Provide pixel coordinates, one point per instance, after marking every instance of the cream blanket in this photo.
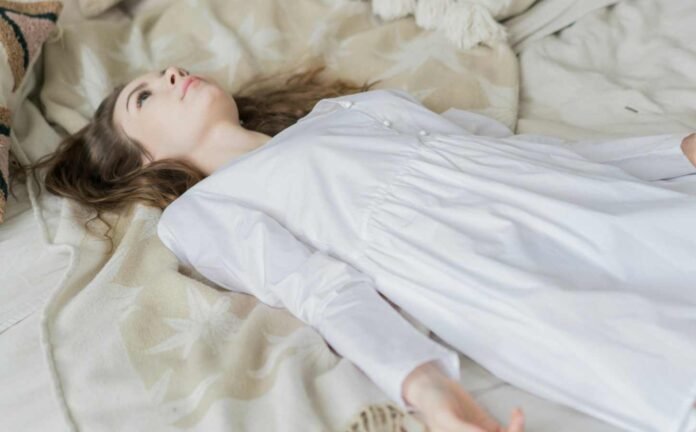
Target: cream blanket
(625, 70)
(132, 343)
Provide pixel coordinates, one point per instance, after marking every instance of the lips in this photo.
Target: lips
(187, 83)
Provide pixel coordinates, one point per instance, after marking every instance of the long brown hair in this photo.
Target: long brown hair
(102, 169)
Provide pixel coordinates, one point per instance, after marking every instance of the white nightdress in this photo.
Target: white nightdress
(567, 269)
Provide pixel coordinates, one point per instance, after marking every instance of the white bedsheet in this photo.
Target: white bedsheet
(622, 70)
(31, 270)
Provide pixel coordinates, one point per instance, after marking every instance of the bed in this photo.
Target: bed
(98, 339)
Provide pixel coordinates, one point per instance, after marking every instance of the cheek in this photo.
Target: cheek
(177, 131)
(161, 135)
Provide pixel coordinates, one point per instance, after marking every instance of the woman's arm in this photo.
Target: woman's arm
(244, 249)
(448, 407)
(688, 146)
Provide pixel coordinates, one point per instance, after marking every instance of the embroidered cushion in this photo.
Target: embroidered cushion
(24, 26)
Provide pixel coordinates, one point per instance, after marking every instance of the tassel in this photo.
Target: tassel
(468, 24)
(463, 22)
(392, 9)
(430, 13)
(496, 7)
(385, 417)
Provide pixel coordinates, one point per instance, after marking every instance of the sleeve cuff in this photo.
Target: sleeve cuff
(667, 161)
(361, 326)
(651, 158)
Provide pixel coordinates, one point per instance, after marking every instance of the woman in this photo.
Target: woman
(515, 251)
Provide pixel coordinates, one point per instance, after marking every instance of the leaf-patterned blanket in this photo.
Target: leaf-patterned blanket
(133, 343)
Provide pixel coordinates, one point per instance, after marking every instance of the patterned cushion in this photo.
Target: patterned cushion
(24, 26)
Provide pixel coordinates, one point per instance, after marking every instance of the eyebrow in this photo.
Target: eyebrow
(140, 86)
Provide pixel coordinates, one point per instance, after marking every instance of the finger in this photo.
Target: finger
(517, 421)
(460, 426)
(488, 423)
(468, 427)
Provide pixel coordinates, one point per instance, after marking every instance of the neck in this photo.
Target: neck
(224, 142)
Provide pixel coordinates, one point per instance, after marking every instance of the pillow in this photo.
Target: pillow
(24, 26)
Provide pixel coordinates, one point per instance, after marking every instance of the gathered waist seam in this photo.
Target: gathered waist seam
(387, 187)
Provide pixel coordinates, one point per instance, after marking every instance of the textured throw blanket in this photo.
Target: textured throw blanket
(465, 23)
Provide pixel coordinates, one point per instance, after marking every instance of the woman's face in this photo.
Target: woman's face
(154, 110)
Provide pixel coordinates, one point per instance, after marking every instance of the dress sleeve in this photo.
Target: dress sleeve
(244, 249)
(477, 124)
(653, 157)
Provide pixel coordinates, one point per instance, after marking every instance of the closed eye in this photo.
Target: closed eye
(141, 97)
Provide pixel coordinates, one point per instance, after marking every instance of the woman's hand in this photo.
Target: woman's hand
(688, 146)
(447, 407)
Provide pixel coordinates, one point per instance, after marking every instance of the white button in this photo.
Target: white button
(347, 104)
(422, 132)
(386, 123)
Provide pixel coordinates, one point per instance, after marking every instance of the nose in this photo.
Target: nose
(173, 73)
